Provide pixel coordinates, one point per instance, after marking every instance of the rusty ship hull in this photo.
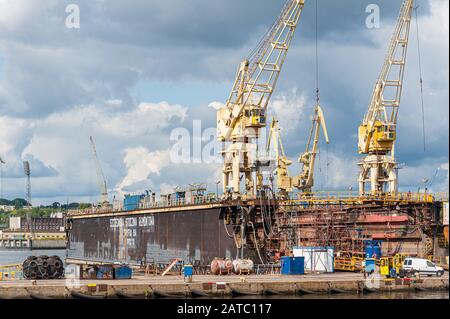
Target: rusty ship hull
(262, 230)
(146, 237)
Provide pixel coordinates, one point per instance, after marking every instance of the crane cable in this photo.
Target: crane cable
(318, 89)
(421, 78)
(317, 54)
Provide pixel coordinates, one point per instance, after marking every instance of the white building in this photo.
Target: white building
(7, 208)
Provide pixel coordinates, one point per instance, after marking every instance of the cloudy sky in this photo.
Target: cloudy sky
(136, 70)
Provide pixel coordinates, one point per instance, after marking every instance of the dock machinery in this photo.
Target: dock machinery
(378, 131)
(240, 120)
(305, 180)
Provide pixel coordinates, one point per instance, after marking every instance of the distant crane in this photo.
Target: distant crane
(2, 162)
(284, 181)
(429, 182)
(434, 177)
(100, 176)
(378, 132)
(305, 180)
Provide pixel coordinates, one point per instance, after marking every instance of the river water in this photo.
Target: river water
(383, 295)
(8, 256)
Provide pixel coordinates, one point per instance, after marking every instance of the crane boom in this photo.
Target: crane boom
(100, 175)
(378, 131)
(240, 120)
(305, 180)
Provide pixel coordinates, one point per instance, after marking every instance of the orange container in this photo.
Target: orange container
(446, 233)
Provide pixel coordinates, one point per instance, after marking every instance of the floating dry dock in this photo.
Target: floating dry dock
(213, 286)
(262, 229)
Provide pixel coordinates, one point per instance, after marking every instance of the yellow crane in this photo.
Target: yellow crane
(378, 132)
(305, 180)
(284, 181)
(240, 120)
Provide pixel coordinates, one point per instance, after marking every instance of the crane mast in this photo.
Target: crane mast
(100, 176)
(378, 132)
(240, 120)
(284, 181)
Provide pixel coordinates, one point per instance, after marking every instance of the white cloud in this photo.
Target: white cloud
(339, 174)
(146, 117)
(288, 109)
(15, 134)
(140, 164)
(434, 170)
(61, 142)
(13, 12)
(216, 105)
(166, 189)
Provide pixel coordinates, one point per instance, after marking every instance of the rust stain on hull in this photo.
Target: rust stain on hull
(195, 236)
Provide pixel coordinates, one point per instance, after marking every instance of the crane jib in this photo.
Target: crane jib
(240, 120)
(377, 133)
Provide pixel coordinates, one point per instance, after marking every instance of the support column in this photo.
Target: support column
(235, 171)
(374, 170)
(393, 185)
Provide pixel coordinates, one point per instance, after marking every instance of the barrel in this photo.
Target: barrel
(241, 266)
(221, 266)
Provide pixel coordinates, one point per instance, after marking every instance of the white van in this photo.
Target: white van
(421, 266)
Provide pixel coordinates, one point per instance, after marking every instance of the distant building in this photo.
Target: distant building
(53, 224)
(39, 233)
(7, 208)
(14, 223)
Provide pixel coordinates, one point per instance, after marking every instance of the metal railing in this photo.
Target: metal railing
(200, 200)
(270, 269)
(349, 197)
(316, 198)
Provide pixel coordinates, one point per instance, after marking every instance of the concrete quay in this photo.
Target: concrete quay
(215, 286)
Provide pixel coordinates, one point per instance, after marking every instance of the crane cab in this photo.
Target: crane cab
(380, 137)
(255, 117)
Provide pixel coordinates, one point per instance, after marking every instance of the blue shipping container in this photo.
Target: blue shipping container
(188, 270)
(292, 265)
(122, 272)
(105, 272)
(131, 202)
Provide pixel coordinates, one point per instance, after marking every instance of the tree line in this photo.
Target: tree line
(20, 209)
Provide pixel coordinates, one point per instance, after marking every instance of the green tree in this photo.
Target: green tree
(84, 206)
(56, 205)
